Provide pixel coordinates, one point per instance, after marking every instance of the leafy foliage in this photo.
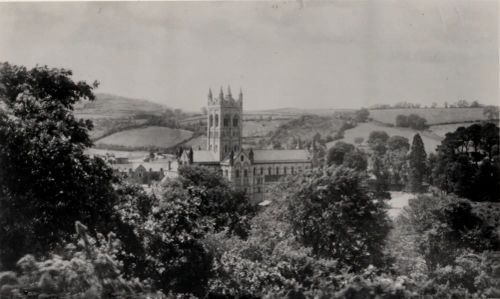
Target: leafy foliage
(88, 268)
(468, 163)
(446, 227)
(47, 182)
(333, 213)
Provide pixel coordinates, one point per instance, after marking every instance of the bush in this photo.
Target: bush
(88, 268)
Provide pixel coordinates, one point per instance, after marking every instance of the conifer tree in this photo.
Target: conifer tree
(418, 165)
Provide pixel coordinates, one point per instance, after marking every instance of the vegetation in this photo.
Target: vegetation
(361, 115)
(418, 165)
(325, 232)
(47, 181)
(411, 121)
(467, 163)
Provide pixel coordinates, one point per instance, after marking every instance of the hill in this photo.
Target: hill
(433, 116)
(113, 106)
(363, 130)
(112, 113)
(144, 138)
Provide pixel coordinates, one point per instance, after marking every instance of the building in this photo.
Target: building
(255, 171)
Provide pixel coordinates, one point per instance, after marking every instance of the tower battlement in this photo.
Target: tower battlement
(225, 101)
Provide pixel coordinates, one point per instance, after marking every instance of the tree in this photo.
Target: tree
(416, 122)
(361, 115)
(491, 112)
(446, 227)
(398, 143)
(396, 160)
(378, 137)
(333, 213)
(417, 164)
(402, 121)
(47, 181)
(336, 153)
(467, 163)
(227, 208)
(356, 159)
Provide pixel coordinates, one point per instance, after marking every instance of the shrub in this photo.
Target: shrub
(88, 268)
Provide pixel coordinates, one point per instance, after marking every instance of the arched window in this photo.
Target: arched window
(210, 120)
(237, 173)
(217, 120)
(226, 121)
(242, 158)
(245, 173)
(235, 121)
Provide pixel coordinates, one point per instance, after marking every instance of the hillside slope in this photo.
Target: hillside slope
(433, 116)
(113, 106)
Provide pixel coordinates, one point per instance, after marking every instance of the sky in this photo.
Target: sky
(310, 54)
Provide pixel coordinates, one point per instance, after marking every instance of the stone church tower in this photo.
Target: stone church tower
(224, 123)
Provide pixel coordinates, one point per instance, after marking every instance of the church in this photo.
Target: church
(254, 171)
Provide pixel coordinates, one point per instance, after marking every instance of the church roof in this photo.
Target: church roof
(294, 155)
(205, 157)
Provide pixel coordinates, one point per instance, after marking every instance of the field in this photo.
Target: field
(153, 136)
(131, 155)
(432, 115)
(364, 129)
(110, 113)
(441, 130)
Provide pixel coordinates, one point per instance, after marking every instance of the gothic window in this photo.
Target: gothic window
(235, 148)
(284, 171)
(277, 170)
(217, 120)
(210, 120)
(269, 171)
(242, 158)
(237, 173)
(262, 170)
(235, 121)
(245, 173)
(226, 121)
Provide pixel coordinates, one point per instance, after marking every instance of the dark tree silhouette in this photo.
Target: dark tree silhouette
(418, 164)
